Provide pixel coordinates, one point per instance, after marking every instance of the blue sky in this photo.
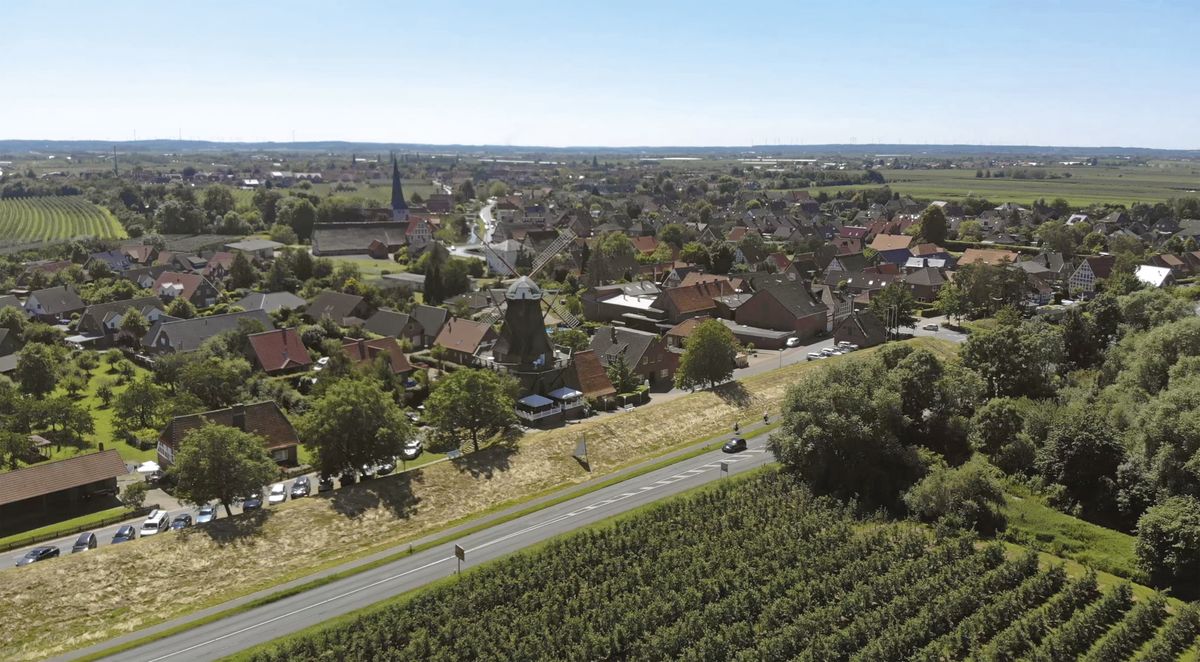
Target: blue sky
(605, 73)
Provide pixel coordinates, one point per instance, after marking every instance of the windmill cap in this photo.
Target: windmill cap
(523, 288)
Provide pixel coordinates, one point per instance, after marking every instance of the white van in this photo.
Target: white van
(156, 522)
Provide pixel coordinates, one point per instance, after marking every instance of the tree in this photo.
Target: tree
(623, 378)
(1168, 545)
(952, 301)
(721, 258)
(15, 446)
(221, 463)
(266, 202)
(280, 277)
(473, 402)
(298, 214)
(573, 339)
(694, 252)
(141, 405)
(134, 494)
(218, 201)
(435, 259)
(134, 325)
(673, 234)
(997, 430)
(241, 272)
(1079, 343)
(355, 423)
(175, 217)
(283, 233)
(709, 356)
(217, 382)
(969, 496)
(181, 308)
(14, 319)
(611, 258)
(970, 231)
(37, 369)
(933, 225)
(839, 435)
(894, 304)
(1056, 236)
(1082, 454)
(1015, 360)
(105, 392)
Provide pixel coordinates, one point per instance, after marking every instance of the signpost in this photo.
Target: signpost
(581, 453)
(725, 468)
(461, 555)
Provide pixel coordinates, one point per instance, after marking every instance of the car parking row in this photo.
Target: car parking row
(842, 347)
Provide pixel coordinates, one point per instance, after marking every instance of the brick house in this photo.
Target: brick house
(194, 288)
(784, 307)
(645, 353)
(680, 303)
(1090, 270)
(279, 351)
(265, 419)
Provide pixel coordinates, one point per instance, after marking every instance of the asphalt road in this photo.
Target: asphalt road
(231, 635)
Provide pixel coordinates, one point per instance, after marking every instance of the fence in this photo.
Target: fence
(33, 540)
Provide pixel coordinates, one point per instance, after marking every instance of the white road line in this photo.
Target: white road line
(303, 609)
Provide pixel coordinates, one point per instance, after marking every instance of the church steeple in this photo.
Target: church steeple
(399, 206)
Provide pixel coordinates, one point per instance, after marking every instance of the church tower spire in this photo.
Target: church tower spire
(399, 206)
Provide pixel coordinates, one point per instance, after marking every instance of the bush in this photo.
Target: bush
(1168, 544)
(969, 496)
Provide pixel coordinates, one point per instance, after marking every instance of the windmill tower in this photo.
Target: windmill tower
(524, 349)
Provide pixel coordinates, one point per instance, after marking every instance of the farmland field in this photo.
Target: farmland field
(1086, 185)
(48, 218)
(757, 569)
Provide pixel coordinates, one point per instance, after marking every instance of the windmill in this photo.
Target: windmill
(523, 344)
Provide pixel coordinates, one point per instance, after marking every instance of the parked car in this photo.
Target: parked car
(367, 471)
(301, 487)
(278, 493)
(252, 502)
(812, 356)
(207, 514)
(37, 554)
(386, 468)
(325, 483)
(156, 522)
(85, 541)
(828, 351)
(734, 445)
(124, 534)
(792, 341)
(930, 327)
(181, 521)
(348, 477)
(412, 449)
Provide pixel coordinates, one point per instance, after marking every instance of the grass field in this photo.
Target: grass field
(215, 564)
(1086, 186)
(40, 219)
(1034, 524)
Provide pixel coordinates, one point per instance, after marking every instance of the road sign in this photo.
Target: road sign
(581, 453)
(725, 467)
(461, 555)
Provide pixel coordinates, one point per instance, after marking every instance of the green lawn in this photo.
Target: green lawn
(1034, 524)
(103, 417)
(1087, 185)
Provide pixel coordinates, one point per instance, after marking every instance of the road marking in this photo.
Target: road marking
(303, 609)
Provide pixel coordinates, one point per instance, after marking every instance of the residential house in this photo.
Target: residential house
(862, 328)
(645, 245)
(357, 238)
(587, 375)
(54, 304)
(924, 283)
(271, 301)
(839, 304)
(431, 319)
(279, 351)
(175, 335)
(680, 303)
(359, 350)
(1154, 276)
(1050, 267)
(418, 234)
(992, 256)
(892, 248)
(677, 335)
(343, 309)
(784, 307)
(502, 256)
(395, 324)
(141, 254)
(605, 303)
(462, 338)
(1089, 271)
(850, 263)
(197, 289)
(264, 419)
(102, 321)
(218, 266)
(1179, 268)
(646, 354)
(116, 261)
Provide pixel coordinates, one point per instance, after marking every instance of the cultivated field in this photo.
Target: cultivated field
(167, 576)
(49, 218)
(757, 569)
(1086, 186)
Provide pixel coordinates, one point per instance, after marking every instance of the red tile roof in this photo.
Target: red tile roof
(359, 350)
(462, 335)
(991, 256)
(592, 379)
(278, 350)
(50, 477)
(891, 242)
(264, 419)
(685, 328)
(645, 245)
(190, 282)
(698, 297)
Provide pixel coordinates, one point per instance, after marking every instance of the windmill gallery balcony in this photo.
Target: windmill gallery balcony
(561, 401)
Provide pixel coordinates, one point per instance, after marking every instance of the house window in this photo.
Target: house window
(280, 455)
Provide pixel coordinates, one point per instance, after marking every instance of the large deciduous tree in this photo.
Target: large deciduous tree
(221, 463)
(933, 225)
(355, 423)
(709, 356)
(1168, 545)
(894, 304)
(37, 368)
(474, 403)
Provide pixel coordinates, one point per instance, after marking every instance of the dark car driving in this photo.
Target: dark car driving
(252, 502)
(85, 541)
(37, 554)
(124, 534)
(301, 487)
(349, 477)
(181, 522)
(325, 483)
(734, 445)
